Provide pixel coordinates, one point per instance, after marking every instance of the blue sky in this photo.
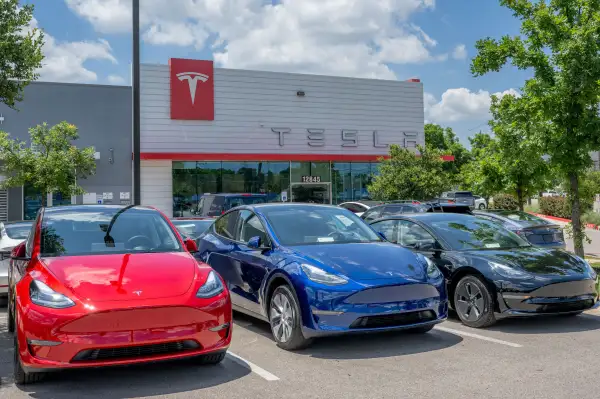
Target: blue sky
(90, 41)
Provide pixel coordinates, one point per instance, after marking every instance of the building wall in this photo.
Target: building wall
(251, 107)
(103, 116)
(156, 180)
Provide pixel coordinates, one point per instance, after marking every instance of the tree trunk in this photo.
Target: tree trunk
(576, 214)
(520, 199)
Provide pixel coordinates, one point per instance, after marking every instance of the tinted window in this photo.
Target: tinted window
(410, 234)
(474, 233)
(301, 225)
(251, 227)
(389, 228)
(214, 205)
(393, 209)
(226, 225)
(99, 230)
(354, 208)
(233, 202)
(463, 194)
(372, 214)
(192, 228)
(18, 231)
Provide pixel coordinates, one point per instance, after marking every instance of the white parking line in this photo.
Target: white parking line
(477, 336)
(253, 367)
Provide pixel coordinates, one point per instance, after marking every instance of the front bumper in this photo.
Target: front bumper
(122, 336)
(383, 308)
(558, 298)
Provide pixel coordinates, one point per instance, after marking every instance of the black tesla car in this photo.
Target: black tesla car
(491, 271)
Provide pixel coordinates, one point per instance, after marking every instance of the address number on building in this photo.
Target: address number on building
(311, 179)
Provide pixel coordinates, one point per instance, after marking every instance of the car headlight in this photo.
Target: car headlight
(321, 276)
(212, 287)
(593, 273)
(433, 272)
(42, 295)
(509, 272)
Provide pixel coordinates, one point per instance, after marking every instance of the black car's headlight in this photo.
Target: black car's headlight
(321, 276)
(510, 272)
(211, 287)
(433, 272)
(42, 295)
(591, 270)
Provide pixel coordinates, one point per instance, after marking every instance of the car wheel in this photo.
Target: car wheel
(21, 377)
(420, 330)
(212, 358)
(286, 320)
(10, 316)
(474, 303)
(481, 206)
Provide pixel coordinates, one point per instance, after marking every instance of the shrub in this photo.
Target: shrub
(555, 206)
(591, 217)
(505, 201)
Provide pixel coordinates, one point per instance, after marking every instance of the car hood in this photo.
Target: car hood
(536, 260)
(124, 276)
(363, 261)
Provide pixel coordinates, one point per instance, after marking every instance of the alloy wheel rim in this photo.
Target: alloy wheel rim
(469, 301)
(282, 318)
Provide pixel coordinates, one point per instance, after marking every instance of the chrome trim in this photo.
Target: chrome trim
(38, 342)
(326, 312)
(219, 328)
(515, 296)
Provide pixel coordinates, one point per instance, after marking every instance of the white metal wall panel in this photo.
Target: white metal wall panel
(3, 205)
(249, 104)
(157, 185)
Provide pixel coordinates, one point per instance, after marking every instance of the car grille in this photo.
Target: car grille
(566, 306)
(394, 320)
(141, 351)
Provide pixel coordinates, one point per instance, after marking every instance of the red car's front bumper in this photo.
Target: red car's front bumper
(113, 334)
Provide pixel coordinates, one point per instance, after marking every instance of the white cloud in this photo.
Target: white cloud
(116, 80)
(64, 61)
(341, 37)
(460, 52)
(461, 104)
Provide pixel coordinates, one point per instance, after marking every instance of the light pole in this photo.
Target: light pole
(137, 197)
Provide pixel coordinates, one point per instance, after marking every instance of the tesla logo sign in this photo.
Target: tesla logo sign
(192, 90)
(138, 293)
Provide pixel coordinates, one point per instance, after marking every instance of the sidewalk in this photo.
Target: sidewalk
(592, 249)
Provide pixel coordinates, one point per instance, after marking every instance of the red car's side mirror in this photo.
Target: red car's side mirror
(191, 245)
(18, 252)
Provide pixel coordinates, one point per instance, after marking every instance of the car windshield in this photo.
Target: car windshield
(105, 230)
(302, 225)
(474, 233)
(192, 228)
(18, 231)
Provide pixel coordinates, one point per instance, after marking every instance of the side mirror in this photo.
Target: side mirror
(255, 243)
(428, 246)
(191, 245)
(18, 252)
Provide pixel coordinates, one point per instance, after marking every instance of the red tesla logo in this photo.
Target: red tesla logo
(192, 89)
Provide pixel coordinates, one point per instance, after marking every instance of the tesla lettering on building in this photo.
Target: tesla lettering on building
(349, 138)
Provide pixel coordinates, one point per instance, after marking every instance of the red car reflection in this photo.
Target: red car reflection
(108, 285)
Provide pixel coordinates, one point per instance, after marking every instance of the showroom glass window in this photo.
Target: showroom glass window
(277, 180)
(361, 178)
(242, 177)
(341, 182)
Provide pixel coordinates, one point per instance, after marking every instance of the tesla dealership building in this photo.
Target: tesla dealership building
(293, 137)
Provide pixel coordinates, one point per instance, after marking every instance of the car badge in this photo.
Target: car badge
(138, 293)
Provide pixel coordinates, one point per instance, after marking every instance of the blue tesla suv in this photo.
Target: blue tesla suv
(316, 270)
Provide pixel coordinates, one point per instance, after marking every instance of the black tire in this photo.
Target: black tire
(481, 206)
(21, 377)
(420, 330)
(296, 339)
(212, 358)
(10, 317)
(478, 310)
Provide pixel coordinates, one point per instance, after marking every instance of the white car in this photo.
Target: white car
(359, 207)
(480, 202)
(11, 235)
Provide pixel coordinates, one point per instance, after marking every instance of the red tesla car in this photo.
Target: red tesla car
(109, 285)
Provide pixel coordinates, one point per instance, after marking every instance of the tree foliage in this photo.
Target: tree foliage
(406, 175)
(444, 140)
(560, 44)
(20, 50)
(483, 175)
(51, 164)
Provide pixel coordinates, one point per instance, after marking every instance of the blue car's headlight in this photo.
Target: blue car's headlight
(591, 270)
(212, 287)
(432, 270)
(321, 276)
(510, 272)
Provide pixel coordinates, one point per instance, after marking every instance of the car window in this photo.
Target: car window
(17, 231)
(393, 210)
(215, 205)
(105, 230)
(410, 209)
(463, 195)
(192, 228)
(372, 214)
(410, 234)
(318, 225)
(233, 202)
(226, 225)
(389, 228)
(354, 208)
(30, 238)
(250, 227)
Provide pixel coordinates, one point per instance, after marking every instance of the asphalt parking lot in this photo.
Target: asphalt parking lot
(517, 358)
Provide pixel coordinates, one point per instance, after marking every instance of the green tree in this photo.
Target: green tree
(444, 140)
(520, 158)
(51, 164)
(406, 175)
(560, 44)
(20, 50)
(483, 174)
